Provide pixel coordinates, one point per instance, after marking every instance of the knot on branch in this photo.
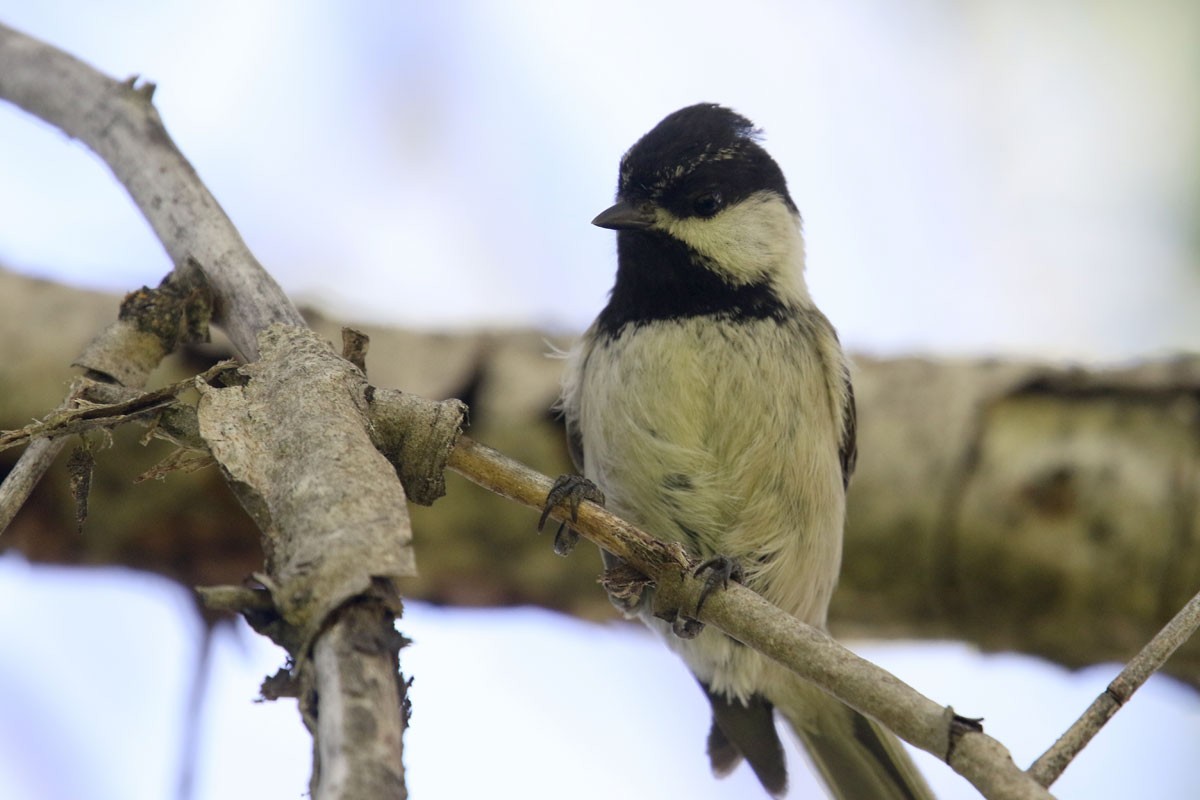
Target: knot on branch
(180, 308)
(257, 606)
(151, 323)
(416, 435)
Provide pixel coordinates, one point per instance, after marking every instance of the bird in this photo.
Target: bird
(710, 403)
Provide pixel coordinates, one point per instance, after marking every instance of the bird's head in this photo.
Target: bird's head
(701, 178)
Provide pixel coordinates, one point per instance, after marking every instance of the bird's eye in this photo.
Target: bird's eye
(707, 204)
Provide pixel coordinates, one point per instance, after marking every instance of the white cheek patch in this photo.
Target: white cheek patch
(754, 239)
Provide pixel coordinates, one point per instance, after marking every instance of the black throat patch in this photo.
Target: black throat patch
(660, 278)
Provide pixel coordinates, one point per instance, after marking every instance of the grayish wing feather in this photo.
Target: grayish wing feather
(858, 758)
(746, 730)
(848, 451)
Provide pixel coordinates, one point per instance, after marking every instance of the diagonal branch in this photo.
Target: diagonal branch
(750, 619)
(1051, 764)
(91, 416)
(19, 483)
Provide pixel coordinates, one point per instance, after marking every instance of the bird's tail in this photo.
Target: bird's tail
(858, 758)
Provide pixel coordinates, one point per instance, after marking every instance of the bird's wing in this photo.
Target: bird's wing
(848, 450)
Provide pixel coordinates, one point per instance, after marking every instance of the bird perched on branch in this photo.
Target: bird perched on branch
(710, 404)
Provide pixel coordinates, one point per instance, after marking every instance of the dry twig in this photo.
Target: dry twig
(1051, 764)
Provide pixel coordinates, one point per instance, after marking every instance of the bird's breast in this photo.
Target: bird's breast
(722, 435)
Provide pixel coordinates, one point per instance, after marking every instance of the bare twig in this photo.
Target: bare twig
(124, 354)
(359, 724)
(235, 599)
(506, 477)
(92, 416)
(24, 476)
(1051, 764)
(750, 619)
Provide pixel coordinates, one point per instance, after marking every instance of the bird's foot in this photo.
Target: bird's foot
(568, 492)
(721, 570)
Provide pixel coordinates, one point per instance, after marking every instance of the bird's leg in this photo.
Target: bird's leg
(568, 491)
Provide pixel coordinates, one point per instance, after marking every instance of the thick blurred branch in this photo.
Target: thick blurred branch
(1019, 506)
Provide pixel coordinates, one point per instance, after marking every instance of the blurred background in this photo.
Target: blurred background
(976, 179)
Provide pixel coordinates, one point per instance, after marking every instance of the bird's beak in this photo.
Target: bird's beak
(624, 217)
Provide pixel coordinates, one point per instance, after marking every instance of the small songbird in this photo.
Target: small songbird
(711, 404)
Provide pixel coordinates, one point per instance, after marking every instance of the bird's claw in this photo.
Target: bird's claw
(686, 627)
(568, 491)
(682, 625)
(565, 539)
(721, 570)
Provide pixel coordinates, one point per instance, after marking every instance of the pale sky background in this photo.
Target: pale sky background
(976, 178)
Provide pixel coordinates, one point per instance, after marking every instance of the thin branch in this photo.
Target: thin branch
(506, 477)
(122, 355)
(750, 619)
(1051, 764)
(26, 473)
(91, 416)
(236, 599)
